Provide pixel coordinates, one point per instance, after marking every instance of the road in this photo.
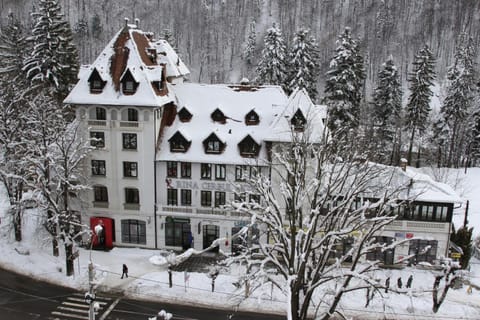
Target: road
(22, 298)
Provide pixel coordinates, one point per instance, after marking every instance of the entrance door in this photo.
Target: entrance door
(210, 233)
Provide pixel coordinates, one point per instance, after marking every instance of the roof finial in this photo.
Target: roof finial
(137, 22)
(126, 21)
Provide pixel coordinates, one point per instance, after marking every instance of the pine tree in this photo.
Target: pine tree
(387, 113)
(170, 38)
(303, 64)
(418, 106)
(344, 86)
(249, 51)
(271, 67)
(13, 118)
(54, 59)
(458, 104)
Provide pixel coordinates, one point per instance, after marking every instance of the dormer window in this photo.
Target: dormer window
(184, 115)
(96, 82)
(129, 85)
(218, 116)
(213, 144)
(248, 147)
(252, 118)
(298, 121)
(178, 143)
(152, 54)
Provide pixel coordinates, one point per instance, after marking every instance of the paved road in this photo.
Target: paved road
(22, 298)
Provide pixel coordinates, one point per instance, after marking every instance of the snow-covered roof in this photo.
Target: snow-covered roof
(131, 50)
(234, 102)
(166, 54)
(281, 128)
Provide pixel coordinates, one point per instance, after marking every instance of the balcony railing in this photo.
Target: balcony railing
(209, 211)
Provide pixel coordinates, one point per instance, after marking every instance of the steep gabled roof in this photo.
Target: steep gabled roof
(281, 128)
(129, 50)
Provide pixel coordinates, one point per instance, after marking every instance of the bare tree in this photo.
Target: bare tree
(321, 214)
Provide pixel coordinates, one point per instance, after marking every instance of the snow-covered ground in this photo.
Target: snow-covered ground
(148, 277)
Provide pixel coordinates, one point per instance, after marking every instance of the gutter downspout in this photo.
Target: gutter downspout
(155, 114)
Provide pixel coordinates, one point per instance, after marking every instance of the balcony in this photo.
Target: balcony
(206, 211)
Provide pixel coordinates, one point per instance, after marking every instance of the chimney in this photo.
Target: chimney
(403, 164)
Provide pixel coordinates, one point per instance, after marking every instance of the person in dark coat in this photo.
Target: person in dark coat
(409, 281)
(387, 284)
(399, 283)
(124, 271)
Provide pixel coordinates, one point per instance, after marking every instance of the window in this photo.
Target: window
(219, 198)
(252, 118)
(220, 172)
(132, 196)
(184, 115)
(218, 116)
(172, 197)
(380, 254)
(100, 194)
(255, 172)
(130, 169)
(254, 198)
(213, 145)
(171, 169)
(129, 141)
(206, 198)
(240, 197)
(240, 172)
(129, 85)
(178, 233)
(97, 139)
(186, 197)
(134, 231)
(423, 250)
(206, 171)
(132, 114)
(96, 82)
(98, 167)
(186, 170)
(298, 121)
(178, 143)
(249, 148)
(101, 113)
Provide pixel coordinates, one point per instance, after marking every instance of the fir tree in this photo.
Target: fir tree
(249, 51)
(54, 59)
(343, 86)
(458, 104)
(170, 38)
(418, 107)
(387, 113)
(303, 64)
(271, 67)
(463, 238)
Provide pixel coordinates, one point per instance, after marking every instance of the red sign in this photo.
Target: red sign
(409, 235)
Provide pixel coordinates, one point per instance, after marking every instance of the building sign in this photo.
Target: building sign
(399, 235)
(409, 235)
(208, 185)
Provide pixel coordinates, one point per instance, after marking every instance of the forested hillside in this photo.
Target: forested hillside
(211, 34)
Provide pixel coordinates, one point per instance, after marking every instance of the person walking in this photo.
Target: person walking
(124, 271)
(399, 283)
(409, 281)
(387, 284)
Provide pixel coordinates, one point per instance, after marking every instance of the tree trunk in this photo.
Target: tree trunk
(69, 259)
(17, 224)
(410, 148)
(55, 250)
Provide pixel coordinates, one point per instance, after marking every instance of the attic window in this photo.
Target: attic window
(252, 119)
(218, 116)
(248, 147)
(152, 54)
(213, 144)
(184, 115)
(178, 143)
(129, 85)
(96, 83)
(298, 121)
